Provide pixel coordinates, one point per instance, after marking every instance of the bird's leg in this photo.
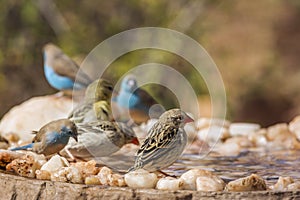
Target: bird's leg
(70, 156)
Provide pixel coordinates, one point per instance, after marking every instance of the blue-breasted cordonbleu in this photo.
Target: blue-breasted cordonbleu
(61, 72)
(135, 100)
(52, 137)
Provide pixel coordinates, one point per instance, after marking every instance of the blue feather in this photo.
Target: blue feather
(57, 138)
(25, 147)
(136, 100)
(57, 81)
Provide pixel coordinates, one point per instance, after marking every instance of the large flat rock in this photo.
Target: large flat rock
(16, 187)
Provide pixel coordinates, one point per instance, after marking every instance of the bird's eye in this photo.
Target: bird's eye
(131, 82)
(70, 132)
(110, 88)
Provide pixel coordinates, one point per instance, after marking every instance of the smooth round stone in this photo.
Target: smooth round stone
(243, 128)
(212, 133)
(141, 179)
(294, 126)
(206, 122)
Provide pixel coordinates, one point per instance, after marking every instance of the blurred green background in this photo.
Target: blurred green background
(255, 44)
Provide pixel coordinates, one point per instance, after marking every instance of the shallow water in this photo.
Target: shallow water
(270, 164)
(266, 162)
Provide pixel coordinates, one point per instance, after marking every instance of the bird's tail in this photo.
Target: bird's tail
(25, 147)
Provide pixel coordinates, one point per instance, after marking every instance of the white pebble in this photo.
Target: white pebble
(229, 149)
(294, 126)
(55, 163)
(104, 175)
(189, 178)
(116, 180)
(243, 128)
(209, 183)
(206, 122)
(282, 183)
(65, 174)
(278, 132)
(169, 183)
(141, 179)
(293, 186)
(212, 133)
(259, 138)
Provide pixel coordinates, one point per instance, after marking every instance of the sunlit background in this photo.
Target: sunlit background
(255, 44)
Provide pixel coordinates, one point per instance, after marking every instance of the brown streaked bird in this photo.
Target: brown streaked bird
(164, 143)
(100, 139)
(96, 104)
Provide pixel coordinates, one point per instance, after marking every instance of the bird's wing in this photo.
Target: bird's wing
(65, 66)
(145, 98)
(37, 137)
(96, 127)
(106, 126)
(40, 135)
(78, 114)
(159, 138)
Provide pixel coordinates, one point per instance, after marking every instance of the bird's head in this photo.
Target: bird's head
(129, 83)
(51, 49)
(176, 117)
(129, 135)
(100, 89)
(68, 128)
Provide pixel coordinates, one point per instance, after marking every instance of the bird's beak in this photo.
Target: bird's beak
(135, 141)
(188, 119)
(75, 138)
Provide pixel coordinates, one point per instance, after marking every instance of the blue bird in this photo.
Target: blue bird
(61, 71)
(51, 138)
(136, 100)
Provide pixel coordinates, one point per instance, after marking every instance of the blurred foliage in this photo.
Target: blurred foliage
(255, 44)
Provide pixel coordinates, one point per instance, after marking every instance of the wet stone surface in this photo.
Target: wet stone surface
(270, 164)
